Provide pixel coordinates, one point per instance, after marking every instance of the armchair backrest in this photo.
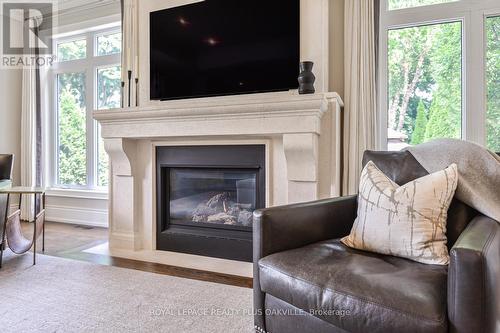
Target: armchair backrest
(6, 163)
(402, 168)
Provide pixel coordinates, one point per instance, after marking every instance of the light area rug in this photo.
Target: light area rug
(61, 295)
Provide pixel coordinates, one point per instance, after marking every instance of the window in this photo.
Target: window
(108, 87)
(425, 83)
(430, 85)
(86, 77)
(72, 132)
(109, 44)
(72, 50)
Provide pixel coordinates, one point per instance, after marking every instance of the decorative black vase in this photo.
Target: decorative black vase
(306, 78)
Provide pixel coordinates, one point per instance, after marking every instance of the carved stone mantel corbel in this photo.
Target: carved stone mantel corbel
(124, 231)
(122, 152)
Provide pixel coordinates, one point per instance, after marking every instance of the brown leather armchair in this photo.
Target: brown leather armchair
(306, 280)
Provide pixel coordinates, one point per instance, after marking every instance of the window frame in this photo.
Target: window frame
(473, 15)
(89, 67)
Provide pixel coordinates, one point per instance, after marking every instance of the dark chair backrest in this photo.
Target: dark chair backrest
(402, 168)
(6, 165)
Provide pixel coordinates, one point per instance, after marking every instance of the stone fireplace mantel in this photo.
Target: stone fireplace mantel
(260, 114)
(301, 134)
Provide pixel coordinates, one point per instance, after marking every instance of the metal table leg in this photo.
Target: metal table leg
(43, 226)
(2, 245)
(34, 233)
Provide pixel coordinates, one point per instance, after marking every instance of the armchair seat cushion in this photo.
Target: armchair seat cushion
(358, 291)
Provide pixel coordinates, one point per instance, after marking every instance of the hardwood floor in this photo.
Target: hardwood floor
(69, 241)
(62, 239)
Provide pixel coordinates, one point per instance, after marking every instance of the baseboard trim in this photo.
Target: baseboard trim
(73, 215)
(78, 222)
(77, 215)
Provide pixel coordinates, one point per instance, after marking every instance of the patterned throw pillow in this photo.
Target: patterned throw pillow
(407, 221)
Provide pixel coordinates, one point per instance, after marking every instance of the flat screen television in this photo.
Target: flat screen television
(224, 47)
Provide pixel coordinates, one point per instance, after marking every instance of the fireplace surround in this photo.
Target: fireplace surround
(206, 196)
(301, 135)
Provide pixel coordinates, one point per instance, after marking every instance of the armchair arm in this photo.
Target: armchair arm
(287, 227)
(474, 278)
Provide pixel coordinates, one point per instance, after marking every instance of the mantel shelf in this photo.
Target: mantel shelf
(256, 114)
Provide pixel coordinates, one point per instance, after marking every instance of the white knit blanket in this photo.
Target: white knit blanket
(478, 169)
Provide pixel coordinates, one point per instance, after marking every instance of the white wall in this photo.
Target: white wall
(335, 31)
(315, 41)
(10, 116)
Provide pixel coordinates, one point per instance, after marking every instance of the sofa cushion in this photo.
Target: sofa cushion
(380, 293)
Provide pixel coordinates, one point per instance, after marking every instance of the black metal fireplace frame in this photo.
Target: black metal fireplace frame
(213, 241)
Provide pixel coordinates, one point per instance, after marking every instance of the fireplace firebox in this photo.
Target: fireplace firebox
(206, 196)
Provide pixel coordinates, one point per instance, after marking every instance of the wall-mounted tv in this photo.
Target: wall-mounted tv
(224, 47)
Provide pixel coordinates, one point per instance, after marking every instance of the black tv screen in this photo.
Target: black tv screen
(224, 47)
